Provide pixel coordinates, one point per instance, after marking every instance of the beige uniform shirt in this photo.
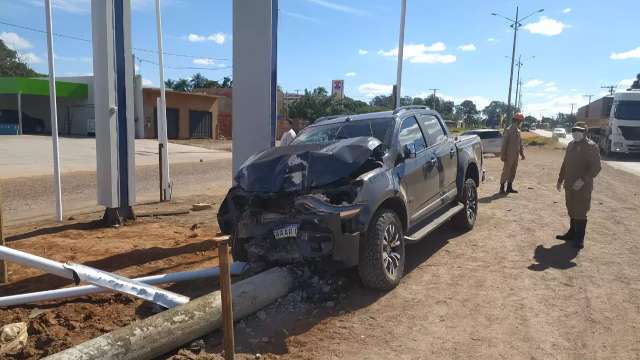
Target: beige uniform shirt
(511, 144)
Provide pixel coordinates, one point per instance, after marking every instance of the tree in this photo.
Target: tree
(382, 101)
(469, 112)
(12, 66)
(170, 83)
(182, 85)
(198, 81)
(227, 82)
(493, 111)
(418, 101)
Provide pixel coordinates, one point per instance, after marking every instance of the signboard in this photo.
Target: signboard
(337, 89)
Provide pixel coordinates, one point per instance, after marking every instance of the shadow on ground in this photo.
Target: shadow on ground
(556, 257)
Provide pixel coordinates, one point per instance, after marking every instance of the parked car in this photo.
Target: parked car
(30, 124)
(352, 191)
(491, 140)
(559, 133)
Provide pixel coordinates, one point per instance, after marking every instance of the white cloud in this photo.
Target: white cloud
(338, 7)
(491, 40)
(15, 41)
(566, 11)
(30, 58)
(550, 89)
(350, 74)
(218, 38)
(467, 47)
(71, 6)
(533, 83)
(421, 53)
(546, 26)
(370, 90)
(147, 82)
(363, 52)
(204, 61)
(631, 54)
(300, 16)
(554, 105)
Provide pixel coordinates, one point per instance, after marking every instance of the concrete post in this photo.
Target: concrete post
(19, 112)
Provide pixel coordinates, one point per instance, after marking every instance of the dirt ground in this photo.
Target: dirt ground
(151, 245)
(506, 290)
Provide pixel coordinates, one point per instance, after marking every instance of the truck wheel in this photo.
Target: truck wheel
(466, 218)
(238, 250)
(382, 252)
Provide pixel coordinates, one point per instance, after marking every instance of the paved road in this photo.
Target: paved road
(29, 155)
(630, 165)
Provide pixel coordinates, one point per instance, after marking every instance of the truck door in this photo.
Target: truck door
(413, 170)
(444, 149)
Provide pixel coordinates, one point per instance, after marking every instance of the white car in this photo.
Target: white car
(559, 133)
(491, 140)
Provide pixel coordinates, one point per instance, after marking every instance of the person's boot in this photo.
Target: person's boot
(510, 189)
(581, 227)
(502, 191)
(571, 234)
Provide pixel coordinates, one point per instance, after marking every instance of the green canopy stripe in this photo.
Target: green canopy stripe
(32, 86)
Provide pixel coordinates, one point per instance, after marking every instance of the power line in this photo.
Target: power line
(612, 88)
(71, 37)
(182, 67)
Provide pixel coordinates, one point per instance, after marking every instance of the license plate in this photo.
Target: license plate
(288, 231)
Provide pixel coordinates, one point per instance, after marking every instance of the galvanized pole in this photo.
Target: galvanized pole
(518, 81)
(4, 275)
(403, 13)
(54, 114)
(513, 58)
(19, 112)
(162, 116)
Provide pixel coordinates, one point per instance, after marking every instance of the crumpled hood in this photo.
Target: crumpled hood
(299, 167)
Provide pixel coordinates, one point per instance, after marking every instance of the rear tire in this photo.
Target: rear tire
(466, 219)
(382, 254)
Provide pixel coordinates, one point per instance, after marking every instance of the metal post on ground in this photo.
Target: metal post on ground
(162, 114)
(403, 13)
(19, 112)
(225, 295)
(54, 113)
(4, 276)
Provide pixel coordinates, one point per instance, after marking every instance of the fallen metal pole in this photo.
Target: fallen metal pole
(237, 268)
(168, 330)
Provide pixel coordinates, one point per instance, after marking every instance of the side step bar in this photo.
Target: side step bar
(436, 223)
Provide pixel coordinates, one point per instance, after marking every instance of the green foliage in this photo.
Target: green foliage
(468, 113)
(12, 66)
(197, 81)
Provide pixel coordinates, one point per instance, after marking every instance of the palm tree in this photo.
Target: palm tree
(170, 83)
(198, 81)
(182, 85)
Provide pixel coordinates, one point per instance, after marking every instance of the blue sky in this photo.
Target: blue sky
(456, 46)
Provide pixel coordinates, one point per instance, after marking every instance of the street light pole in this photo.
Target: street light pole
(515, 24)
(161, 121)
(518, 81)
(403, 13)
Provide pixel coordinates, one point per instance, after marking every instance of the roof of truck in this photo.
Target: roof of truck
(325, 120)
(627, 95)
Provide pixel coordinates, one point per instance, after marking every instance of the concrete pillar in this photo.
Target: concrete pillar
(19, 112)
(255, 33)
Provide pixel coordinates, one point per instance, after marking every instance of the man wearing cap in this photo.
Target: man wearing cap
(580, 166)
(511, 148)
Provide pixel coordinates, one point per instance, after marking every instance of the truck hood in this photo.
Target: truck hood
(302, 167)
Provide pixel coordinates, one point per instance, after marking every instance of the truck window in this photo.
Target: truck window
(433, 130)
(378, 128)
(627, 110)
(410, 134)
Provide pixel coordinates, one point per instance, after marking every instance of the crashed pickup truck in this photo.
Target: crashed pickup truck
(353, 190)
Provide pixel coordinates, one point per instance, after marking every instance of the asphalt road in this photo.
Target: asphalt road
(31, 198)
(29, 155)
(628, 164)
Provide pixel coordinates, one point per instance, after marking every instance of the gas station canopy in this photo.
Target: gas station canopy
(34, 86)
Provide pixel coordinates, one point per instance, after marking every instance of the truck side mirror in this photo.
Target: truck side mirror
(409, 150)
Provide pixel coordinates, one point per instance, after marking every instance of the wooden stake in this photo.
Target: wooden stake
(225, 295)
(4, 276)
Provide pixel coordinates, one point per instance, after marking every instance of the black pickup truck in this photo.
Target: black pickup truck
(354, 190)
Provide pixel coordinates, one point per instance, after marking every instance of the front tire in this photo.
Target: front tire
(382, 254)
(466, 219)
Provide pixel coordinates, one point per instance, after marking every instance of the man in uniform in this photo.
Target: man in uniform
(511, 148)
(580, 166)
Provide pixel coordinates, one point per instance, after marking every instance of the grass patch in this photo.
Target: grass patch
(537, 140)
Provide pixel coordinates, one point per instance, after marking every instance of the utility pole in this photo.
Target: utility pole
(612, 88)
(54, 113)
(515, 25)
(163, 146)
(403, 13)
(589, 97)
(434, 98)
(572, 105)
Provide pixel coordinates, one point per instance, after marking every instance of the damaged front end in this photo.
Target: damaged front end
(301, 202)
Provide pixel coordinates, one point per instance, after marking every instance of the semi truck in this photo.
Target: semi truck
(614, 122)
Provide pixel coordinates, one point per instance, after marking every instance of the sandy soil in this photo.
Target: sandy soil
(507, 289)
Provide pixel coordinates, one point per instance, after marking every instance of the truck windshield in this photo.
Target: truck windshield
(377, 128)
(627, 110)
